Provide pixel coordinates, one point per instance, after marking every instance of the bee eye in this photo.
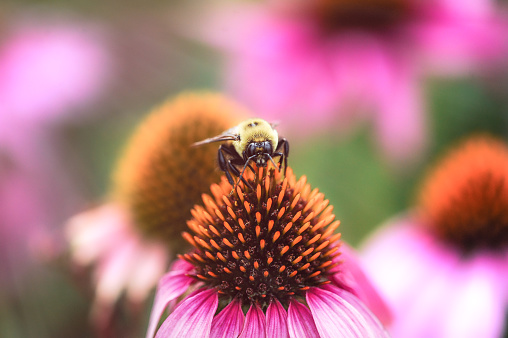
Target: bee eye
(267, 146)
(251, 149)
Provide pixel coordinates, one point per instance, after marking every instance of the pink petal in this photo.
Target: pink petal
(276, 320)
(193, 317)
(229, 322)
(171, 286)
(300, 321)
(255, 323)
(351, 277)
(334, 316)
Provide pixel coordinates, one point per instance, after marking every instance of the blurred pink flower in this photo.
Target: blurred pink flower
(444, 268)
(123, 259)
(273, 252)
(334, 63)
(47, 72)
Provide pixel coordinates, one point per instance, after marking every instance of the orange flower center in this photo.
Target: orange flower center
(465, 199)
(275, 241)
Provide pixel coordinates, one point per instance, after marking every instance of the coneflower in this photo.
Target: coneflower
(133, 236)
(272, 252)
(444, 268)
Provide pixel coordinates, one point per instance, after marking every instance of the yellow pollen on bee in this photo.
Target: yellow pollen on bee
(247, 206)
(235, 255)
(275, 236)
(262, 244)
(258, 230)
(247, 254)
(284, 250)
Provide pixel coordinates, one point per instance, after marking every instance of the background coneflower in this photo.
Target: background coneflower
(272, 251)
(158, 180)
(448, 261)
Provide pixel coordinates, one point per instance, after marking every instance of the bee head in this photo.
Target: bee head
(260, 152)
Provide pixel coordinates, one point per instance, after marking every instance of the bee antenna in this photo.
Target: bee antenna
(273, 162)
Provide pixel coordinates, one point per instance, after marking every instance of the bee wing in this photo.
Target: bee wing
(274, 124)
(228, 135)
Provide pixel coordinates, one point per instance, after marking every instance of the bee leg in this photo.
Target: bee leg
(237, 173)
(283, 152)
(225, 165)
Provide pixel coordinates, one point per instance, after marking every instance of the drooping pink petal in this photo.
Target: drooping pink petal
(149, 265)
(171, 286)
(334, 316)
(193, 316)
(276, 320)
(351, 277)
(300, 321)
(255, 323)
(229, 322)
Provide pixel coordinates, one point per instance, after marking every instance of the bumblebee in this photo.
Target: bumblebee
(253, 140)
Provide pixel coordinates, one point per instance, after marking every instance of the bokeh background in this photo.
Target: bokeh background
(63, 123)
